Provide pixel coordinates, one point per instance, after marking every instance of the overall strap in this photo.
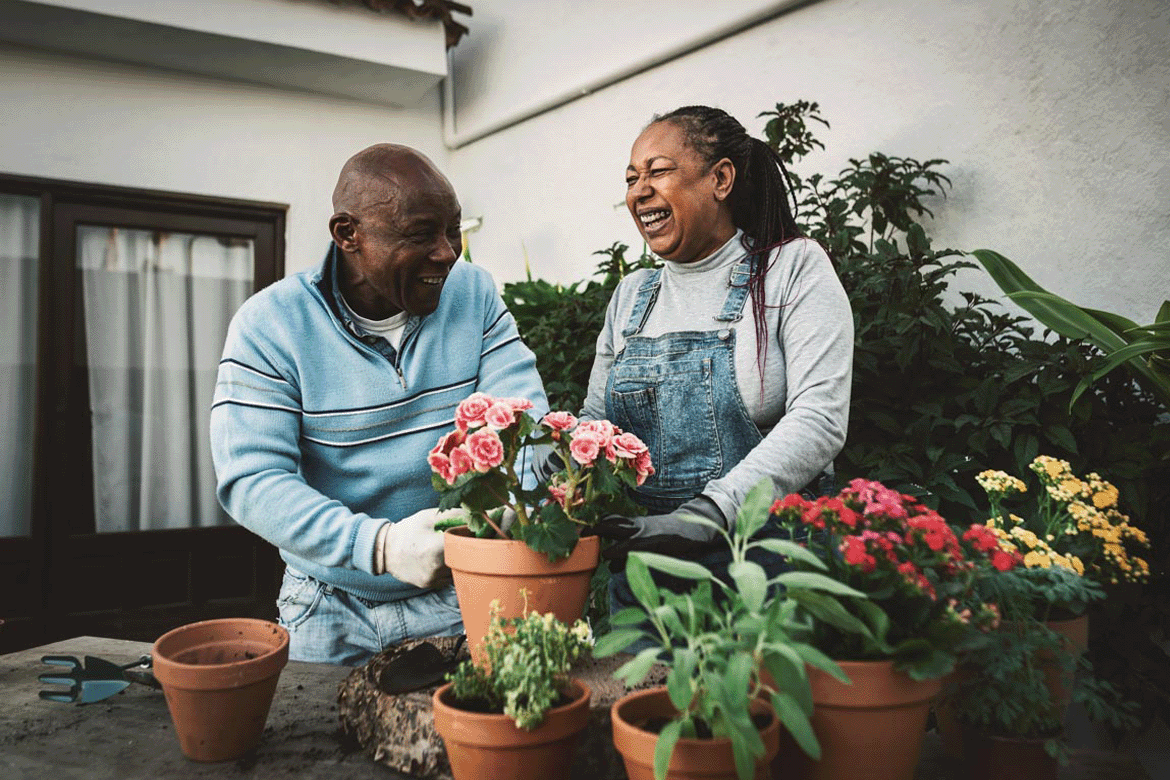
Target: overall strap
(643, 301)
(737, 291)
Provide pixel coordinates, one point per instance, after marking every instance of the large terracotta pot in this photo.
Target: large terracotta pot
(709, 759)
(1006, 758)
(871, 729)
(219, 677)
(486, 570)
(483, 746)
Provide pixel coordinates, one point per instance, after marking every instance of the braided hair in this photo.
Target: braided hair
(759, 199)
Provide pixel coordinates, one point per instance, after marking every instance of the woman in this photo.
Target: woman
(734, 361)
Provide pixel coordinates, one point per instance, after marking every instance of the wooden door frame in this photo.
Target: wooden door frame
(64, 204)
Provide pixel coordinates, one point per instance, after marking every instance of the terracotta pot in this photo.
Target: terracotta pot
(1007, 758)
(1076, 635)
(709, 759)
(871, 729)
(219, 677)
(488, 569)
(483, 746)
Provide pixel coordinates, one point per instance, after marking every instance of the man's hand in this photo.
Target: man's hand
(411, 550)
(667, 534)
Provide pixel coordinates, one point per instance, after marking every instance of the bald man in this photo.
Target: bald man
(336, 382)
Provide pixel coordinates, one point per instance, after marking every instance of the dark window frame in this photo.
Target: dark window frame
(32, 565)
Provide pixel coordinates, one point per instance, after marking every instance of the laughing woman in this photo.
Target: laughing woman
(732, 362)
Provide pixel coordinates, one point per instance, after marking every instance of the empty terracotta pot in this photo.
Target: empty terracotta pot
(484, 746)
(219, 677)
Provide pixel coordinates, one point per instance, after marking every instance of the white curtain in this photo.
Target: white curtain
(19, 248)
(156, 308)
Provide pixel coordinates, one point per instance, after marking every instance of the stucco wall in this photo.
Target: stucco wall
(1055, 117)
(84, 120)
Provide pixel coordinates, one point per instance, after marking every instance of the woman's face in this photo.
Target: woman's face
(678, 203)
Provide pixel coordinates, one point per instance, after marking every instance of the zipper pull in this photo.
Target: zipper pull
(401, 378)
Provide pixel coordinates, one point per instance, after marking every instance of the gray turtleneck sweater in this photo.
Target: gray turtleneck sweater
(802, 405)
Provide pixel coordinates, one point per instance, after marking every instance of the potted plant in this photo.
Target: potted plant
(515, 713)
(540, 560)
(899, 641)
(738, 661)
(1011, 698)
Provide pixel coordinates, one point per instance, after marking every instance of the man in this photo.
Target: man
(334, 385)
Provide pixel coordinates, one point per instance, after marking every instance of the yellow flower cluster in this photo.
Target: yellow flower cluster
(1038, 554)
(1000, 483)
(1076, 525)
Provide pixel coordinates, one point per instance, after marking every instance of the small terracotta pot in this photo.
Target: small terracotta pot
(1076, 636)
(871, 729)
(709, 759)
(1007, 758)
(483, 746)
(219, 677)
(519, 577)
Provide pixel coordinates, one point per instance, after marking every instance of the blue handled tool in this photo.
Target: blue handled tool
(93, 681)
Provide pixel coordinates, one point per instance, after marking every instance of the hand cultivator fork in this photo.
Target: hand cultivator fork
(96, 680)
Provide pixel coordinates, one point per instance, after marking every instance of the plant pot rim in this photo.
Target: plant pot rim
(896, 688)
(229, 674)
(508, 557)
(626, 733)
(486, 729)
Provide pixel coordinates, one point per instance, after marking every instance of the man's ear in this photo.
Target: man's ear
(724, 172)
(343, 228)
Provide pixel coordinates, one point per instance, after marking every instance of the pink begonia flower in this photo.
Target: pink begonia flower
(486, 449)
(499, 415)
(642, 467)
(441, 465)
(627, 445)
(471, 409)
(461, 462)
(585, 446)
(557, 492)
(604, 429)
(559, 421)
(449, 441)
(517, 404)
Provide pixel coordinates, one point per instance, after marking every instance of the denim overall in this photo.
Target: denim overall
(678, 393)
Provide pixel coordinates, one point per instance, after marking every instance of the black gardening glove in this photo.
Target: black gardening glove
(667, 534)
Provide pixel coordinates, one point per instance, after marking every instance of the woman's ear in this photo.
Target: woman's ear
(724, 172)
(343, 228)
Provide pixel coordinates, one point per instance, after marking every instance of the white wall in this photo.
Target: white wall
(85, 120)
(1055, 117)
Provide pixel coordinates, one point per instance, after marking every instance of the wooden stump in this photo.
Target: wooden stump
(398, 732)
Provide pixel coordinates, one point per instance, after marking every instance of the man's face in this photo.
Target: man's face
(404, 245)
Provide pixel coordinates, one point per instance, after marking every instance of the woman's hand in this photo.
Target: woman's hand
(682, 533)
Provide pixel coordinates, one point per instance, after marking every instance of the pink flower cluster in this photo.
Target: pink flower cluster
(589, 440)
(475, 444)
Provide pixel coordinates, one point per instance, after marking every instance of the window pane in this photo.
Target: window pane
(19, 248)
(156, 308)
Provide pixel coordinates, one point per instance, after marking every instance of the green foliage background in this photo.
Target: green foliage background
(945, 384)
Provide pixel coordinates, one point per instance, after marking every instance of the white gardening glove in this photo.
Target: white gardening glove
(411, 550)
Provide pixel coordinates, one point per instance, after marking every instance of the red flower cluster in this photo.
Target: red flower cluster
(886, 534)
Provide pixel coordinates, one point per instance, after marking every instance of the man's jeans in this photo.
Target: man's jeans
(327, 625)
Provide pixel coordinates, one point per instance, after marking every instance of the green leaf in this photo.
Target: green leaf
(630, 616)
(741, 751)
(791, 550)
(753, 512)
(688, 570)
(789, 674)
(616, 641)
(813, 581)
(791, 715)
(818, 660)
(828, 610)
(751, 581)
(678, 682)
(635, 670)
(667, 738)
(641, 584)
